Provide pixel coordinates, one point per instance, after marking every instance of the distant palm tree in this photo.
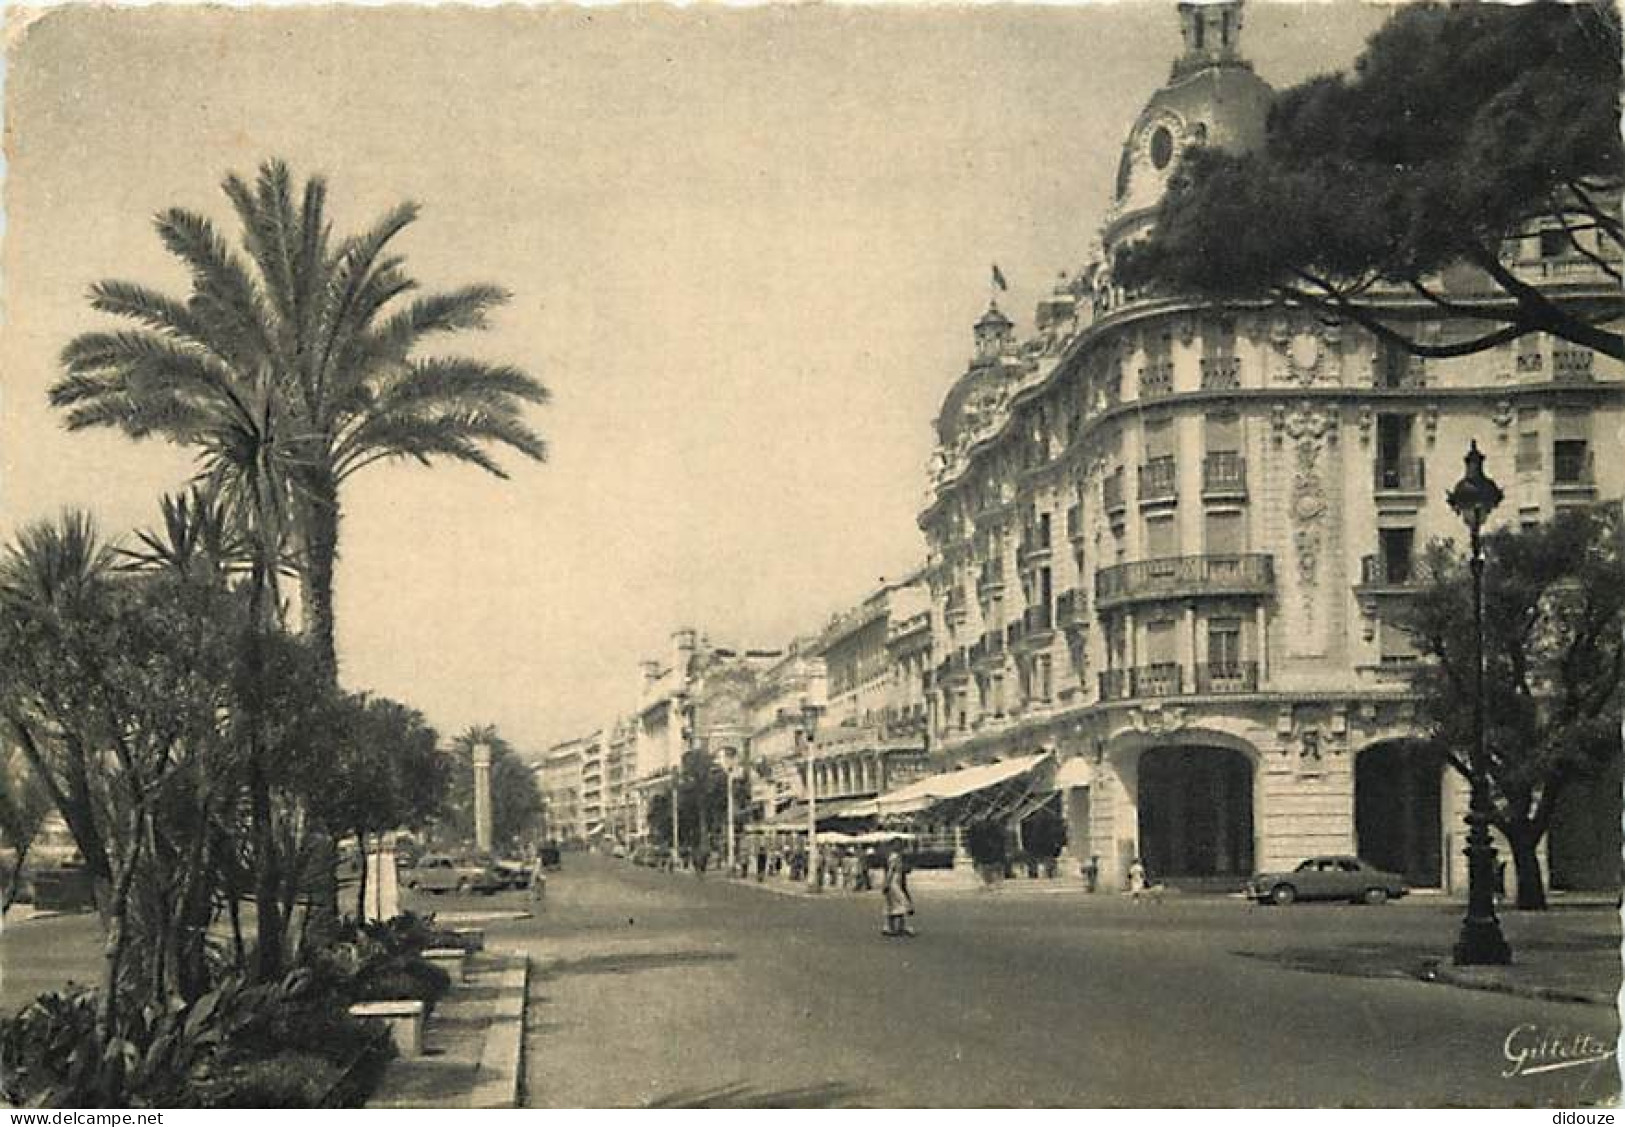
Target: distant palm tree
(294, 369)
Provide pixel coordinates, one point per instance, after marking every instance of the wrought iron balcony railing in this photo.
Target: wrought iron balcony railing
(1221, 373)
(1159, 480)
(1393, 571)
(1224, 474)
(1400, 475)
(1074, 522)
(1572, 467)
(1572, 365)
(1071, 610)
(1111, 490)
(1038, 618)
(1157, 379)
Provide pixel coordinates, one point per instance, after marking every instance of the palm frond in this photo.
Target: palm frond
(53, 562)
(458, 435)
(223, 289)
(144, 363)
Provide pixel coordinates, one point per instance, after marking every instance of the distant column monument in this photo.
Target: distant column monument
(482, 797)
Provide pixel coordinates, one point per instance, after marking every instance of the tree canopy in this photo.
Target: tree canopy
(1461, 126)
(292, 368)
(1554, 643)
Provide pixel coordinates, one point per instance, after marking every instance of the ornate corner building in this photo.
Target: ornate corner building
(1167, 541)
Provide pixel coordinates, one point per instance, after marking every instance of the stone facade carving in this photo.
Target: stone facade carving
(1307, 351)
(1503, 419)
(1156, 719)
(1307, 430)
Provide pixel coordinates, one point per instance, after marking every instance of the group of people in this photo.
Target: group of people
(843, 867)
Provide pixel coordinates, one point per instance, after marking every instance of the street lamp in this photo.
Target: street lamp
(729, 755)
(808, 730)
(1481, 942)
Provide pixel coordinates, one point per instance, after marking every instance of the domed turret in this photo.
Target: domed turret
(993, 334)
(1212, 98)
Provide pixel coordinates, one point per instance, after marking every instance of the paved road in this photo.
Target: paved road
(670, 990)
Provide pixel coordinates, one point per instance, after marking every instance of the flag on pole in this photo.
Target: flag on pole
(998, 278)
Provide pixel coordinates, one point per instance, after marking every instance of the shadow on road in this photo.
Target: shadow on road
(631, 963)
(742, 1095)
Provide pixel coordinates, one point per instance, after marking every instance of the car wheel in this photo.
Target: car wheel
(462, 885)
(1375, 896)
(1283, 894)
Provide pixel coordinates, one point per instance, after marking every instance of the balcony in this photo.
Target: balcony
(1162, 679)
(954, 609)
(955, 665)
(1378, 572)
(1111, 491)
(989, 650)
(1035, 543)
(991, 577)
(1227, 677)
(1181, 576)
(1573, 470)
(1572, 365)
(1159, 480)
(1221, 373)
(1224, 474)
(1157, 380)
(1074, 523)
(1014, 632)
(1071, 610)
(1038, 619)
(1399, 475)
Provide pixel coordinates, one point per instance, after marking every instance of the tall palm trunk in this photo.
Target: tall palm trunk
(321, 532)
(267, 914)
(321, 529)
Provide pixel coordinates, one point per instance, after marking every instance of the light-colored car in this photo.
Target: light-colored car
(438, 872)
(1328, 878)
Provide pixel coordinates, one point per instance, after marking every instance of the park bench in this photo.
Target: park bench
(402, 1017)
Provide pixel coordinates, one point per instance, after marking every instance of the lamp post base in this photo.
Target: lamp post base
(1481, 944)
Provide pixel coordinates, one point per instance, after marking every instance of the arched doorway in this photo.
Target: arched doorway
(1397, 810)
(1196, 813)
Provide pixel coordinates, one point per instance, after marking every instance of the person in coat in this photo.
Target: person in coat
(899, 904)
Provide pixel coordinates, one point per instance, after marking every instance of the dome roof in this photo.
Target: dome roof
(1222, 107)
(1213, 99)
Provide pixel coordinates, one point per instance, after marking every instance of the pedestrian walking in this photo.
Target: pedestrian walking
(1136, 880)
(761, 862)
(898, 903)
(536, 886)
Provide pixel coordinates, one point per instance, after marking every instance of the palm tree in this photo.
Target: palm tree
(310, 343)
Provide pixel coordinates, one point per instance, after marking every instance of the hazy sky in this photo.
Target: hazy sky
(746, 248)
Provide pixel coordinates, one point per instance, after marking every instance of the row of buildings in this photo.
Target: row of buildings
(1166, 547)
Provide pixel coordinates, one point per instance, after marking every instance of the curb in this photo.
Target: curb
(1448, 976)
(500, 1077)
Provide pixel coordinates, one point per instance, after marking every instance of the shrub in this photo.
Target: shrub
(47, 1052)
(403, 976)
(289, 1079)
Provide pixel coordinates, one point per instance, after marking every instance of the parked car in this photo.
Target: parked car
(437, 872)
(1328, 878)
(514, 874)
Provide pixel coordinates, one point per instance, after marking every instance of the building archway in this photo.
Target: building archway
(1196, 813)
(1398, 810)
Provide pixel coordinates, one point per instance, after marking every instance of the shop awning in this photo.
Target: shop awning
(847, 809)
(951, 785)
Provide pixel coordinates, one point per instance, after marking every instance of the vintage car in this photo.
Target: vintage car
(1328, 878)
(438, 872)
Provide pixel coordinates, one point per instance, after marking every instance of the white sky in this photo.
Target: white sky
(747, 247)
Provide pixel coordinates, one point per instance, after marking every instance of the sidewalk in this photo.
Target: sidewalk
(472, 1044)
(1570, 953)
